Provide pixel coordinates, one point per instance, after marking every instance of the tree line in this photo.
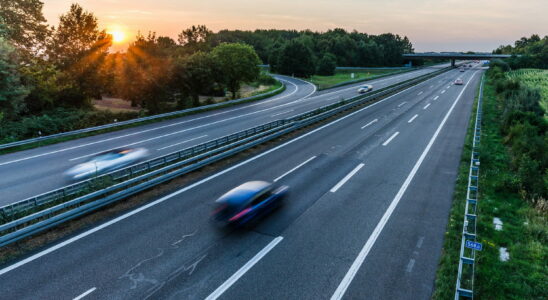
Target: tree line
(527, 52)
(50, 74)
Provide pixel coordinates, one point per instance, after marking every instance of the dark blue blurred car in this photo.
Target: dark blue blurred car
(247, 202)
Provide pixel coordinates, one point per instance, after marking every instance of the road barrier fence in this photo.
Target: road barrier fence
(464, 288)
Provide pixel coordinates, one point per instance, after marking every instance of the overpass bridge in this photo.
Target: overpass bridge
(453, 56)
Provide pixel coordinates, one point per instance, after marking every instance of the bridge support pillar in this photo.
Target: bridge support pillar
(453, 63)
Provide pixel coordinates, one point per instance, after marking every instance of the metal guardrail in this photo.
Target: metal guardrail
(167, 169)
(465, 278)
(138, 120)
(32, 203)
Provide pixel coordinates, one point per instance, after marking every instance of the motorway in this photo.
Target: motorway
(32, 172)
(365, 219)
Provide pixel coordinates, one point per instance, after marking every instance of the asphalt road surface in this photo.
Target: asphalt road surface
(365, 218)
(32, 172)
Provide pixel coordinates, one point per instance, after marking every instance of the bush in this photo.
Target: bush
(266, 79)
(327, 65)
(56, 121)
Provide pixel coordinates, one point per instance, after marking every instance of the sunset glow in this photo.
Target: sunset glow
(118, 36)
(479, 25)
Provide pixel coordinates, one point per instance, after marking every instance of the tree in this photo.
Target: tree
(195, 75)
(195, 38)
(296, 59)
(79, 48)
(327, 65)
(12, 92)
(147, 73)
(238, 64)
(26, 27)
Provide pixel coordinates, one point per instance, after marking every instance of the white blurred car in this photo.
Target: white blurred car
(365, 88)
(459, 81)
(105, 162)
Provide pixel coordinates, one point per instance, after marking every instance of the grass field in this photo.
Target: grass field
(524, 232)
(535, 78)
(324, 82)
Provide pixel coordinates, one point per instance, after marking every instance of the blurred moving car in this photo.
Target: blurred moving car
(248, 202)
(365, 88)
(105, 162)
(459, 81)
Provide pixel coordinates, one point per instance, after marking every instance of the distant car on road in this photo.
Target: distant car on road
(248, 202)
(365, 88)
(105, 162)
(459, 81)
(461, 69)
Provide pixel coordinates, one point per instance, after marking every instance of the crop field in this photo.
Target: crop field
(535, 78)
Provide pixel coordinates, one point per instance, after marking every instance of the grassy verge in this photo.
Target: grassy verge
(273, 87)
(525, 229)
(341, 76)
(534, 78)
(82, 135)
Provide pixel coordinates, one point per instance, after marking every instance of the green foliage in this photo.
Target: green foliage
(327, 65)
(195, 38)
(24, 24)
(532, 51)
(238, 64)
(535, 79)
(525, 230)
(57, 120)
(12, 92)
(295, 59)
(266, 79)
(196, 75)
(79, 48)
(524, 129)
(147, 73)
(350, 48)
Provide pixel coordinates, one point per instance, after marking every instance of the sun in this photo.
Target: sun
(117, 36)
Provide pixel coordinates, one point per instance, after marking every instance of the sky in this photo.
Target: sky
(431, 25)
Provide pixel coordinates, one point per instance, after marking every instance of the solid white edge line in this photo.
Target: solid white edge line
(179, 143)
(292, 170)
(230, 281)
(395, 134)
(85, 293)
(313, 90)
(374, 121)
(346, 178)
(163, 199)
(413, 118)
(345, 283)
